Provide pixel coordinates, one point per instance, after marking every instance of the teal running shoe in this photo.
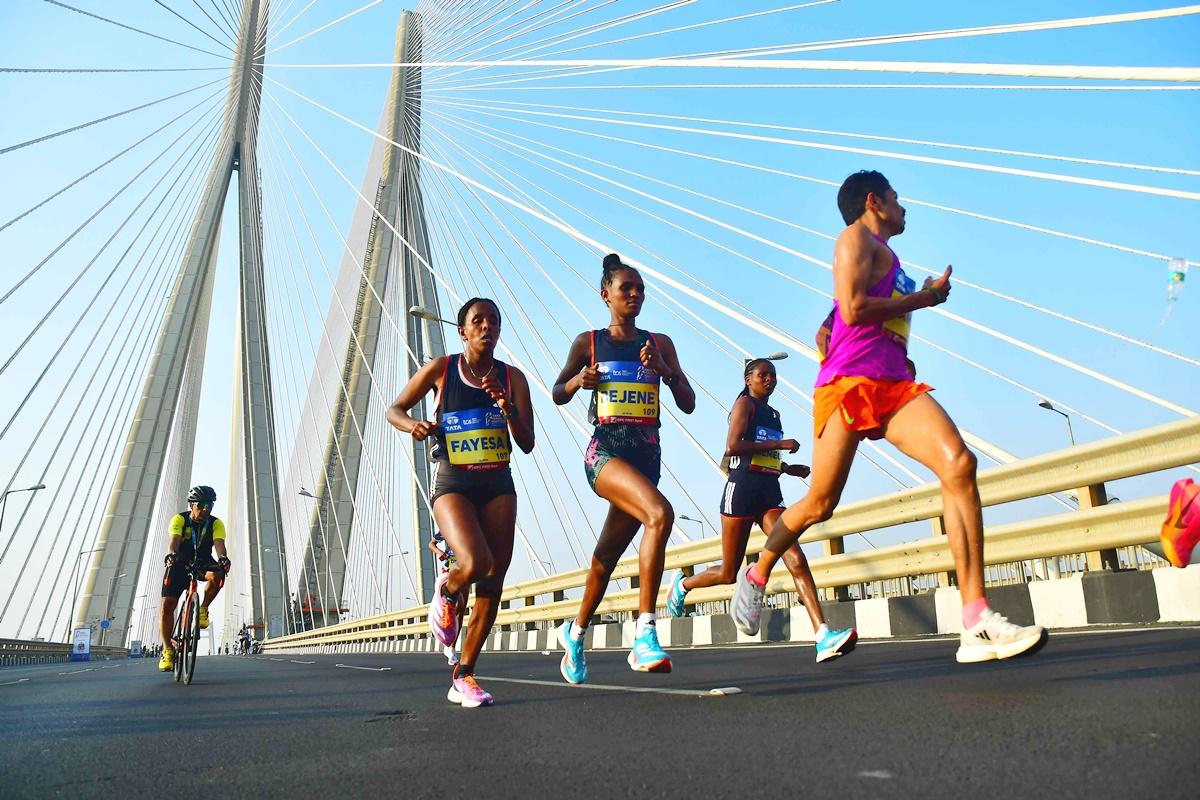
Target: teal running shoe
(836, 643)
(574, 664)
(676, 595)
(647, 655)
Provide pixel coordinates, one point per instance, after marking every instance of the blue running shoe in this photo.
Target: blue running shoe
(574, 665)
(647, 655)
(676, 595)
(836, 643)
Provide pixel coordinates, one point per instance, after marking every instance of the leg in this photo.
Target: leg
(459, 522)
(797, 565)
(735, 531)
(628, 490)
(213, 581)
(616, 534)
(166, 618)
(922, 430)
(497, 520)
(833, 453)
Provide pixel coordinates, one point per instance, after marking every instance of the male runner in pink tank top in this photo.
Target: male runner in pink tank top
(866, 389)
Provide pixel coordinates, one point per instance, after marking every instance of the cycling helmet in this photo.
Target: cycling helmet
(202, 494)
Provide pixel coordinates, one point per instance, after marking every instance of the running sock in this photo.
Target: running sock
(821, 632)
(462, 670)
(753, 576)
(576, 633)
(972, 611)
(646, 619)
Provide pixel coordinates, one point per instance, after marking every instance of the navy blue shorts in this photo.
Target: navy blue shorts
(751, 495)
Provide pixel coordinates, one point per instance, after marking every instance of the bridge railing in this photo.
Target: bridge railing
(21, 651)
(1096, 529)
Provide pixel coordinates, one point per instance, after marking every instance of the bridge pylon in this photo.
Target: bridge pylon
(391, 275)
(155, 469)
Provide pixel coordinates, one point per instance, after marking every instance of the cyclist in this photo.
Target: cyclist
(194, 535)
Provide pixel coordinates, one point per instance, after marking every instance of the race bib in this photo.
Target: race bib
(897, 329)
(626, 394)
(476, 438)
(772, 460)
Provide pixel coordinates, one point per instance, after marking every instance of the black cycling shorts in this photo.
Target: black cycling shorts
(480, 487)
(175, 581)
(750, 496)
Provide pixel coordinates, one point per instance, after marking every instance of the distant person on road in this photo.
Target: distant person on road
(866, 388)
(482, 407)
(754, 445)
(194, 535)
(441, 549)
(624, 367)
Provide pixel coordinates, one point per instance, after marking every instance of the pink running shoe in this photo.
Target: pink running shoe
(443, 615)
(468, 693)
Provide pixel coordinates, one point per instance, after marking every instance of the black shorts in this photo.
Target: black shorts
(751, 495)
(175, 582)
(479, 487)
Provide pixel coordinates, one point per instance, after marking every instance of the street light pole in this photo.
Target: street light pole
(112, 586)
(4, 499)
(1046, 404)
(75, 598)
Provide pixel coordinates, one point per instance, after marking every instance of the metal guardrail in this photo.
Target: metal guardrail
(1092, 529)
(21, 651)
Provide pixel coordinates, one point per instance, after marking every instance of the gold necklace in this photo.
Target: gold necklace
(471, 370)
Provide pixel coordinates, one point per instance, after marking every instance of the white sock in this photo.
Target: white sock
(821, 632)
(576, 633)
(645, 619)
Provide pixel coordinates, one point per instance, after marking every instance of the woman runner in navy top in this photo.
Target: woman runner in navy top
(481, 402)
(623, 366)
(754, 447)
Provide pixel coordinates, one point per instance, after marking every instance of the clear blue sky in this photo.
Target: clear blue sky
(1116, 290)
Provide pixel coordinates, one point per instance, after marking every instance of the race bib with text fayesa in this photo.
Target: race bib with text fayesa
(476, 438)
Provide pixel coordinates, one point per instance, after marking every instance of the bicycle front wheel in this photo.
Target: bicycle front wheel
(178, 639)
(193, 639)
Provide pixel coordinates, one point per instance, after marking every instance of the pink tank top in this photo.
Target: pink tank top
(876, 349)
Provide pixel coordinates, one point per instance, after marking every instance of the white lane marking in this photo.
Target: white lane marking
(368, 669)
(14, 683)
(881, 774)
(294, 661)
(722, 692)
(275, 659)
(76, 672)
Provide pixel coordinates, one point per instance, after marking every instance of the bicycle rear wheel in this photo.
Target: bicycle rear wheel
(193, 638)
(177, 639)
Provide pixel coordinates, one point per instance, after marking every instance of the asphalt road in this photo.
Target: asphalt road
(1114, 714)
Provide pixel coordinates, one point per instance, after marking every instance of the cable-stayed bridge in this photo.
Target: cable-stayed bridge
(245, 200)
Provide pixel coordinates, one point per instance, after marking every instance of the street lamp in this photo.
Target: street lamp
(4, 504)
(1046, 404)
(778, 356)
(112, 587)
(388, 562)
(75, 602)
(420, 312)
(686, 518)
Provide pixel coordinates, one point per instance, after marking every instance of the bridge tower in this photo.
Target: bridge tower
(155, 468)
(390, 268)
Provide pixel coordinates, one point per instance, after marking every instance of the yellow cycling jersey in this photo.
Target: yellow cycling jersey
(199, 535)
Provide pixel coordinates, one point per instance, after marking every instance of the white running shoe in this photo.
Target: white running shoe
(451, 655)
(746, 605)
(995, 637)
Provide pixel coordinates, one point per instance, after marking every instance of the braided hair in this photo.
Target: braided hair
(750, 367)
(611, 265)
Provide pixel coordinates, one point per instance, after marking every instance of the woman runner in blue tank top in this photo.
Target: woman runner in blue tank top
(624, 368)
(481, 402)
(754, 445)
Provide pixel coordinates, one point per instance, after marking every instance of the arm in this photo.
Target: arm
(735, 445)
(517, 409)
(578, 373)
(665, 361)
(175, 539)
(219, 539)
(797, 470)
(852, 260)
(418, 386)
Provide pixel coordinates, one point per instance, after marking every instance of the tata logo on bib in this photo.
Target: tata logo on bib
(450, 419)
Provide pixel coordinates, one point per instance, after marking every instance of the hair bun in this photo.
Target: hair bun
(612, 260)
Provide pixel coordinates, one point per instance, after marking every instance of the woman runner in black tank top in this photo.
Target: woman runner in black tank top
(625, 368)
(482, 407)
(753, 445)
